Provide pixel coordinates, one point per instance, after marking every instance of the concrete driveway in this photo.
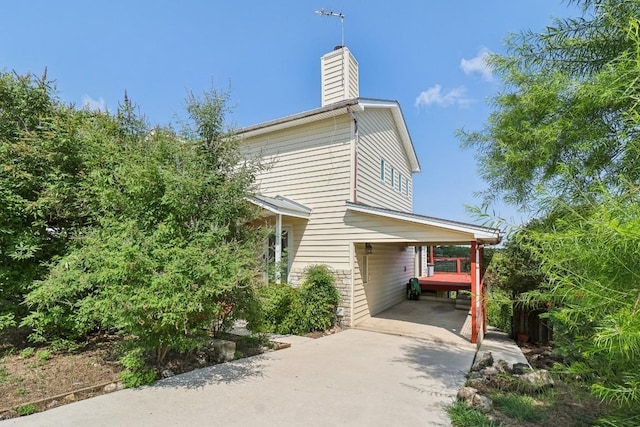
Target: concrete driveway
(354, 378)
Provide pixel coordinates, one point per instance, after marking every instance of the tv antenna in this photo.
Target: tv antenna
(323, 12)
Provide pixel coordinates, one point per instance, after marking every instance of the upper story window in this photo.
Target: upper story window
(400, 182)
(383, 168)
(393, 177)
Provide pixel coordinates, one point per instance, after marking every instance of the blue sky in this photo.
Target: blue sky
(425, 54)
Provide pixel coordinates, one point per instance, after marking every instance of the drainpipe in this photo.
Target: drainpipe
(356, 138)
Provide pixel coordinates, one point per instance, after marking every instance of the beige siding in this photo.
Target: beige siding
(310, 164)
(339, 76)
(362, 227)
(390, 267)
(378, 140)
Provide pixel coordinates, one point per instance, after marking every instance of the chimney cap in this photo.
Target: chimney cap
(338, 47)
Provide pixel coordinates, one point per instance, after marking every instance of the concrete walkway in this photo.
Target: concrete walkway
(355, 378)
(501, 347)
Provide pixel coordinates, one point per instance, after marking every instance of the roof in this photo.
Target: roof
(336, 109)
(281, 206)
(480, 234)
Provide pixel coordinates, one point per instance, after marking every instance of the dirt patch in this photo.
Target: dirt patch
(36, 379)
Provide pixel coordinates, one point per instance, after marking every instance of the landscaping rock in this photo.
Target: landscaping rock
(483, 403)
(484, 361)
(502, 366)
(489, 372)
(70, 397)
(110, 387)
(474, 375)
(540, 379)
(466, 395)
(167, 373)
(224, 350)
(52, 404)
(520, 368)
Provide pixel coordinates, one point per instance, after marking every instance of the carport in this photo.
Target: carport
(384, 257)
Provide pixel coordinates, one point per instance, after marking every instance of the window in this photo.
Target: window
(383, 168)
(393, 177)
(400, 182)
(285, 259)
(406, 188)
(364, 269)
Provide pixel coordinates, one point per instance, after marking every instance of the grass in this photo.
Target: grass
(28, 352)
(26, 409)
(461, 416)
(519, 407)
(4, 374)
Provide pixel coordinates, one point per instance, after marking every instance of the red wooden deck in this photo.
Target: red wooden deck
(445, 282)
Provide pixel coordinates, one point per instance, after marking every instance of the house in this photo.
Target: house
(339, 191)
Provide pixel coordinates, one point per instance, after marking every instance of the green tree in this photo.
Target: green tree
(560, 124)
(564, 137)
(171, 255)
(42, 202)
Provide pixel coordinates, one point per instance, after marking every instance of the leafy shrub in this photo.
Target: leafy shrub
(26, 409)
(499, 309)
(136, 372)
(319, 298)
(28, 352)
(280, 307)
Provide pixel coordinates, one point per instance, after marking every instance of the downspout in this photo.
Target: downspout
(356, 139)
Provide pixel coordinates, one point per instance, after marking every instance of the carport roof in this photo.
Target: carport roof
(484, 235)
(281, 206)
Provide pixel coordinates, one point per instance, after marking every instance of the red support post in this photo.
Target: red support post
(475, 293)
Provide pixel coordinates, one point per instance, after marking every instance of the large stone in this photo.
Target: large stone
(466, 395)
(520, 368)
(489, 371)
(110, 387)
(540, 379)
(484, 361)
(224, 350)
(483, 403)
(502, 366)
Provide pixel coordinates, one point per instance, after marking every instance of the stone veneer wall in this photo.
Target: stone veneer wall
(343, 284)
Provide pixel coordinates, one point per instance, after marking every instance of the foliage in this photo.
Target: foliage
(561, 124)
(564, 135)
(499, 309)
(319, 298)
(26, 409)
(44, 150)
(136, 372)
(281, 309)
(520, 407)
(170, 256)
(461, 416)
(311, 307)
(596, 292)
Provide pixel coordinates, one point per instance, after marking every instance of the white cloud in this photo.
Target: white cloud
(478, 64)
(434, 95)
(94, 105)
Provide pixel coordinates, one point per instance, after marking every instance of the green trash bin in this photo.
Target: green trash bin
(413, 289)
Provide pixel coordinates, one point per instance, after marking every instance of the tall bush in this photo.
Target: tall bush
(319, 298)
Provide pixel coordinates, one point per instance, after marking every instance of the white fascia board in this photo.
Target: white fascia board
(477, 233)
(279, 210)
(326, 112)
